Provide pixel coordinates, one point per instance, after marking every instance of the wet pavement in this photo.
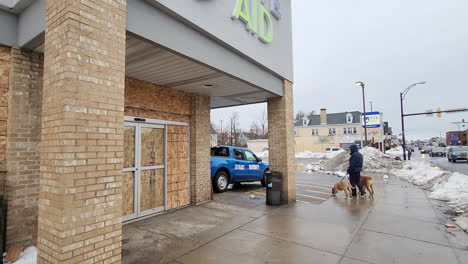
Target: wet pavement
(400, 225)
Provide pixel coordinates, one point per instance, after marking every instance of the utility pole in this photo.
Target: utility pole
(360, 83)
(403, 127)
(371, 107)
(402, 97)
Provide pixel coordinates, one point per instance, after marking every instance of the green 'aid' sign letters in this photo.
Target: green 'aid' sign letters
(258, 18)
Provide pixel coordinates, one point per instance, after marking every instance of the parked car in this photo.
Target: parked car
(328, 150)
(438, 151)
(457, 153)
(234, 165)
(425, 149)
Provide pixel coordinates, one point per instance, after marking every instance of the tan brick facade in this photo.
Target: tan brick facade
(22, 150)
(281, 140)
(200, 150)
(82, 132)
(4, 84)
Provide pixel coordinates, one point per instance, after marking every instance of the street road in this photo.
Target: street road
(460, 166)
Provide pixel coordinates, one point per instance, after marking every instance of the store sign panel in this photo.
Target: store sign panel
(258, 29)
(372, 120)
(257, 17)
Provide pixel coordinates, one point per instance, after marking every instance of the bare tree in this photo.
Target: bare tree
(263, 124)
(234, 127)
(255, 130)
(300, 114)
(222, 133)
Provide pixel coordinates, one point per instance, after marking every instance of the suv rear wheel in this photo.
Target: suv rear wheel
(263, 181)
(220, 182)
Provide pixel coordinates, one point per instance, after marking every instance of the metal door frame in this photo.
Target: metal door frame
(141, 168)
(138, 168)
(135, 176)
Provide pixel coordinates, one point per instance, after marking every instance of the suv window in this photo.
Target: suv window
(250, 156)
(238, 154)
(220, 152)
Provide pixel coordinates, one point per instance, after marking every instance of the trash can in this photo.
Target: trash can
(274, 181)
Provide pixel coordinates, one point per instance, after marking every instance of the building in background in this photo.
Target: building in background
(317, 132)
(257, 145)
(455, 138)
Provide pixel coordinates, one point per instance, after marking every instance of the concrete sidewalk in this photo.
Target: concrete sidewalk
(400, 225)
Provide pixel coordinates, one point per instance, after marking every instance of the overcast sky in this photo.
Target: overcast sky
(388, 45)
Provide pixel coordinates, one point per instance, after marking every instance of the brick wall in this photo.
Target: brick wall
(22, 150)
(201, 190)
(149, 100)
(281, 140)
(4, 83)
(82, 132)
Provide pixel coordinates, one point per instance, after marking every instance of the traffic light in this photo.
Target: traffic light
(463, 122)
(439, 114)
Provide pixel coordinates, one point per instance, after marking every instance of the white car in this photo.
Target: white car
(328, 150)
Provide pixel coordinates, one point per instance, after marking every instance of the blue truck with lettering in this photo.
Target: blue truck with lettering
(234, 165)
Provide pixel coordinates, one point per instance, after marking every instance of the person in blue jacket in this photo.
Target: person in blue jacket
(354, 170)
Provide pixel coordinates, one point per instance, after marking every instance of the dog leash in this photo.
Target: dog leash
(343, 177)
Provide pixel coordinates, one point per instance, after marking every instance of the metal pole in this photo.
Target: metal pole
(365, 121)
(371, 107)
(403, 126)
(460, 142)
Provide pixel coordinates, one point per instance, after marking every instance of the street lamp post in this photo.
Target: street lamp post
(402, 97)
(360, 83)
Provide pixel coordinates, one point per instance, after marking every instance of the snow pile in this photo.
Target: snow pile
(317, 155)
(453, 189)
(374, 161)
(419, 173)
(398, 151)
(28, 256)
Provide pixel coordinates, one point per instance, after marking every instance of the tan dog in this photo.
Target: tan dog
(367, 183)
(342, 186)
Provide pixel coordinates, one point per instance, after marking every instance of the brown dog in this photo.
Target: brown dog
(367, 183)
(342, 186)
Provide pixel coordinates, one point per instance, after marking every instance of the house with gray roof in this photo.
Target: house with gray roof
(316, 132)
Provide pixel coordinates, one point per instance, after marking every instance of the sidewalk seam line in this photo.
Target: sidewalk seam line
(287, 241)
(448, 240)
(360, 226)
(419, 240)
(228, 232)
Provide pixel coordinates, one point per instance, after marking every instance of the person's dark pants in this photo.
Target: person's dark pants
(355, 179)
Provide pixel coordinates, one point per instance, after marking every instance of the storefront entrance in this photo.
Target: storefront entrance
(144, 178)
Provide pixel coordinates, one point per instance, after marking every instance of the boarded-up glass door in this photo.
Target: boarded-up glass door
(143, 190)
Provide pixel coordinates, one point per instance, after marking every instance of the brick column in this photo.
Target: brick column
(82, 132)
(281, 140)
(200, 150)
(22, 149)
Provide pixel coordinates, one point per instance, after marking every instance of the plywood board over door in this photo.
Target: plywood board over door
(178, 184)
